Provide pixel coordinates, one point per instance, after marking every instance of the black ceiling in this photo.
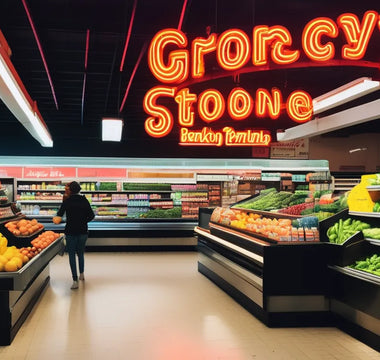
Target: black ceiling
(62, 27)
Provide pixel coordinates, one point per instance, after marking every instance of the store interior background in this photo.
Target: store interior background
(74, 115)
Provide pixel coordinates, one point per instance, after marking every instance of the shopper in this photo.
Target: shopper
(78, 213)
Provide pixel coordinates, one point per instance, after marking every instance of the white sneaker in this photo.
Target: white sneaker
(75, 285)
(81, 277)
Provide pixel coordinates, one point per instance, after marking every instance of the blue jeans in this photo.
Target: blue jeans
(75, 245)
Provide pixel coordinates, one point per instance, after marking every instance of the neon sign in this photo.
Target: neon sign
(172, 59)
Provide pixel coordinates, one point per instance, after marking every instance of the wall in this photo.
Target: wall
(336, 151)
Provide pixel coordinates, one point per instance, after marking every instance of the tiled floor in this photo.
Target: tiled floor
(156, 306)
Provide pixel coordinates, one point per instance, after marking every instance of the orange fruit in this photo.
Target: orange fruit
(2, 266)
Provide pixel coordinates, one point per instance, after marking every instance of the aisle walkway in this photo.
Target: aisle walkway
(156, 306)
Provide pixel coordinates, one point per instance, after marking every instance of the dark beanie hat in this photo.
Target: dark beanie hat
(74, 187)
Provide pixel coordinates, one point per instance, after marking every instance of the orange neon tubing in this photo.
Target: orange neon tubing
(311, 39)
(177, 68)
(160, 123)
(233, 59)
(215, 98)
(267, 105)
(274, 37)
(357, 34)
(199, 48)
(185, 101)
(240, 104)
(299, 106)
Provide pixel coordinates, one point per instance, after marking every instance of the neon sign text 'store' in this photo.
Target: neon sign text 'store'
(172, 61)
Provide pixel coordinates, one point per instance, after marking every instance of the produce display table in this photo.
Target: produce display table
(20, 290)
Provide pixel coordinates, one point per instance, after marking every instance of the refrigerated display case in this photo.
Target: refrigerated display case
(354, 291)
(283, 283)
(287, 283)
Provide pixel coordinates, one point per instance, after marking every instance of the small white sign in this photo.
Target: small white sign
(295, 149)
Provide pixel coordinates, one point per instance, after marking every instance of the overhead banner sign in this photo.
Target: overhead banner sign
(177, 63)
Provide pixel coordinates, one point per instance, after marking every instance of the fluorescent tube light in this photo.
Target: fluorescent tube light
(345, 93)
(350, 117)
(112, 129)
(356, 150)
(18, 101)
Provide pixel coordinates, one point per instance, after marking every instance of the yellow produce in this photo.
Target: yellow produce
(3, 244)
(17, 261)
(3, 259)
(10, 266)
(10, 252)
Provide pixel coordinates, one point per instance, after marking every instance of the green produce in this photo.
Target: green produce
(175, 212)
(371, 264)
(376, 207)
(322, 215)
(375, 181)
(333, 208)
(344, 229)
(146, 187)
(107, 186)
(373, 233)
(273, 200)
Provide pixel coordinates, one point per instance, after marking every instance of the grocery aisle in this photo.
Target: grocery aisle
(156, 306)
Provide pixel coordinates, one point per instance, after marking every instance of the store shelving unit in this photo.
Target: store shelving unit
(345, 182)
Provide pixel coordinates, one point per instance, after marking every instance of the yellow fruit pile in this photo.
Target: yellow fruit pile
(11, 259)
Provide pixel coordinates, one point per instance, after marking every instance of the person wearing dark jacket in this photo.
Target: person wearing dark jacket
(78, 214)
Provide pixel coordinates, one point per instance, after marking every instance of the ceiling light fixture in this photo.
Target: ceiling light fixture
(17, 99)
(340, 120)
(356, 150)
(344, 94)
(112, 129)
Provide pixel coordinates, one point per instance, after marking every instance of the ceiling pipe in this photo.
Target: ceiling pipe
(41, 51)
(128, 35)
(182, 14)
(85, 74)
(132, 76)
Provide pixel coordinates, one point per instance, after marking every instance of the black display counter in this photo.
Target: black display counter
(20, 290)
(300, 284)
(282, 285)
(137, 234)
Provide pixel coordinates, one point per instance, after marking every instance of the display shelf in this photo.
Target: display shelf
(39, 201)
(365, 214)
(41, 190)
(362, 275)
(373, 241)
(127, 191)
(109, 203)
(373, 188)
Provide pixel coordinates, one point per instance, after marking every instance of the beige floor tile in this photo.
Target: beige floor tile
(156, 306)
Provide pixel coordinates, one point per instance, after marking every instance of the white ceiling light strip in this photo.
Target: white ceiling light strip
(350, 117)
(14, 98)
(344, 94)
